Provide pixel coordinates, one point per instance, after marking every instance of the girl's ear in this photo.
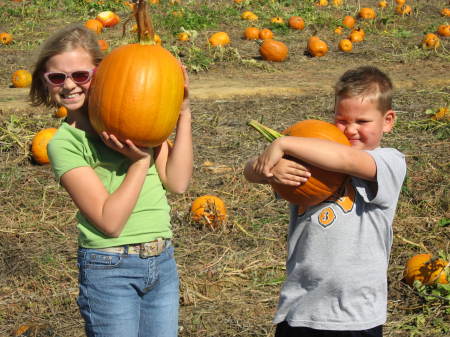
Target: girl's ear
(389, 120)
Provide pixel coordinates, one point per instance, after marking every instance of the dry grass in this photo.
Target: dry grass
(230, 276)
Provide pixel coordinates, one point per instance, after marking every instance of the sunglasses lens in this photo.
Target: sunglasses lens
(81, 76)
(57, 78)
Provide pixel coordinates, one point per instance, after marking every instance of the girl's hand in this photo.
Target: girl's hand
(289, 172)
(127, 148)
(185, 108)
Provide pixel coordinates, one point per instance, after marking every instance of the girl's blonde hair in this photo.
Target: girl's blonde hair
(367, 82)
(66, 39)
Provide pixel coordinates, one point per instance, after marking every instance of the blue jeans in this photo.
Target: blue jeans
(123, 295)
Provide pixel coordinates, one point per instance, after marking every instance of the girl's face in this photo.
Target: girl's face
(68, 93)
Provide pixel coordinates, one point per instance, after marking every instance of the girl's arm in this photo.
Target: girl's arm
(108, 212)
(175, 163)
(322, 153)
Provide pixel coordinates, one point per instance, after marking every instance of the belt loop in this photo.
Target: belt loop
(125, 250)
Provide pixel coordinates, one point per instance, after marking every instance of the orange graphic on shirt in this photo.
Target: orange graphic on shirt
(347, 201)
(326, 217)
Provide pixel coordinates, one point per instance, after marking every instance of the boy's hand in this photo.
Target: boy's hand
(289, 172)
(266, 161)
(127, 148)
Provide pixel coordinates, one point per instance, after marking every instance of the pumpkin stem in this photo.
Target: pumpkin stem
(267, 132)
(146, 33)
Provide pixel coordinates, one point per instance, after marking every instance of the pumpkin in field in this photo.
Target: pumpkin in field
(273, 50)
(403, 9)
(103, 45)
(367, 13)
(322, 3)
(61, 112)
(444, 30)
(94, 25)
(219, 39)
(431, 41)
(444, 12)
(265, 34)
(277, 20)
(426, 269)
(400, 2)
(338, 3)
(39, 145)
(251, 33)
(296, 22)
(345, 45)
(356, 35)
(382, 4)
(21, 78)
(5, 38)
(322, 184)
(183, 36)
(316, 47)
(348, 21)
(108, 18)
(209, 210)
(141, 102)
(250, 16)
(339, 30)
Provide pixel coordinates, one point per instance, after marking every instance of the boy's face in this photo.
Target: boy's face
(361, 121)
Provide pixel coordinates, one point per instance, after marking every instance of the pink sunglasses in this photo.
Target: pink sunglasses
(79, 77)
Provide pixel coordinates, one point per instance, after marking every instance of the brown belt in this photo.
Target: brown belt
(144, 250)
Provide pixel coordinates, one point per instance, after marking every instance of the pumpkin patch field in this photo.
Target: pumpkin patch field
(272, 61)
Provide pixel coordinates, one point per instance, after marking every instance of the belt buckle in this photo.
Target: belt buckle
(149, 249)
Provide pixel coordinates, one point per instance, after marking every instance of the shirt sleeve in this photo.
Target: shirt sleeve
(391, 172)
(65, 155)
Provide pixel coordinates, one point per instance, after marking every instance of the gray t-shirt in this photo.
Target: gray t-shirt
(338, 253)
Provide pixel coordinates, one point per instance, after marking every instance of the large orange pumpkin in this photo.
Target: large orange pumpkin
(39, 145)
(322, 184)
(137, 90)
(426, 269)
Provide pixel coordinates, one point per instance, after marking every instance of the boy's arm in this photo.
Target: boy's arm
(322, 153)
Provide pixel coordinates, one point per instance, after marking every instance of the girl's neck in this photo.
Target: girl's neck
(79, 119)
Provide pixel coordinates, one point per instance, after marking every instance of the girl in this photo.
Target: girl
(127, 272)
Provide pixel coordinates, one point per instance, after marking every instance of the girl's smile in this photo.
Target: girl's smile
(70, 94)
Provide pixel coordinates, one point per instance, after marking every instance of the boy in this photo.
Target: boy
(338, 251)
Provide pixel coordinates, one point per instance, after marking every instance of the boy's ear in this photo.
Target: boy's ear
(389, 120)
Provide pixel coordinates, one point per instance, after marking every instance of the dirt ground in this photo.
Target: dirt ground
(304, 80)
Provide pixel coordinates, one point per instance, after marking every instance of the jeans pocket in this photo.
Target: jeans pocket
(94, 259)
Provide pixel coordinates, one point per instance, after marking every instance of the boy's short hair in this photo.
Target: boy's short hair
(368, 82)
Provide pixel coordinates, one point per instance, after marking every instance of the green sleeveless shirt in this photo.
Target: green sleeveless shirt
(150, 219)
